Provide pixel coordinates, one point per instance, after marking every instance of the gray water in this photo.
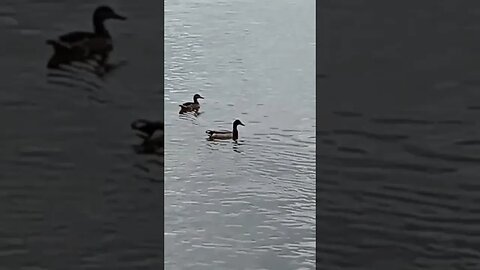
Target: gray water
(73, 192)
(398, 147)
(251, 204)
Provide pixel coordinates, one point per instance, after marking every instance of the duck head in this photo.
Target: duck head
(237, 122)
(103, 13)
(197, 96)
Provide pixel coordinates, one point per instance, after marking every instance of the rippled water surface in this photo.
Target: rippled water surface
(73, 192)
(251, 204)
(398, 148)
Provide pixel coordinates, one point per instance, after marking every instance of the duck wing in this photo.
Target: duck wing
(76, 37)
(221, 136)
(59, 47)
(218, 132)
(187, 104)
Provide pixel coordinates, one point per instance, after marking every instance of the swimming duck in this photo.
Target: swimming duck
(191, 106)
(225, 135)
(147, 127)
(98, 42)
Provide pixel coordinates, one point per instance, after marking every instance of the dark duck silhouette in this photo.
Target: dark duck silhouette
(225, 134)
(191, 106)
(80, 44)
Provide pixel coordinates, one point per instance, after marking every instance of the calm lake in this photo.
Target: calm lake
(399, 141)
(73, 192)
(251, 204)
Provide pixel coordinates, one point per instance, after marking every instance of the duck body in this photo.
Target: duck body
(62, 49)
(223, 134)
(191, 106)
(97, 42)
(92, 43)
(64, 54)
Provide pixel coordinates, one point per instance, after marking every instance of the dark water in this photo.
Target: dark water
(398, 147)
(73, 192)
(249, 205)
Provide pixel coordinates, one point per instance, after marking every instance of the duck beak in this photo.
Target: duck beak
(241, 124)
(118, 17)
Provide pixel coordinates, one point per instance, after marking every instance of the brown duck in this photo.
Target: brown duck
(191, 106)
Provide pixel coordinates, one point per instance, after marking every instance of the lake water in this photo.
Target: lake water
(251, 204)
(398, 147)
(73, 192)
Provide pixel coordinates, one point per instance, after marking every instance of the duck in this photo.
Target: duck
(97, 42)
(225, 135)
(147, 127)
(191, 106)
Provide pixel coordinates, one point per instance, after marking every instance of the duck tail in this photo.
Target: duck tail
(183, 109)
(57, 46)
(52, 42)
(137, 124)
(134, 125)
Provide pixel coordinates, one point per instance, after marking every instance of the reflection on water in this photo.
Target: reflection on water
(73, 192)
(248, 204)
